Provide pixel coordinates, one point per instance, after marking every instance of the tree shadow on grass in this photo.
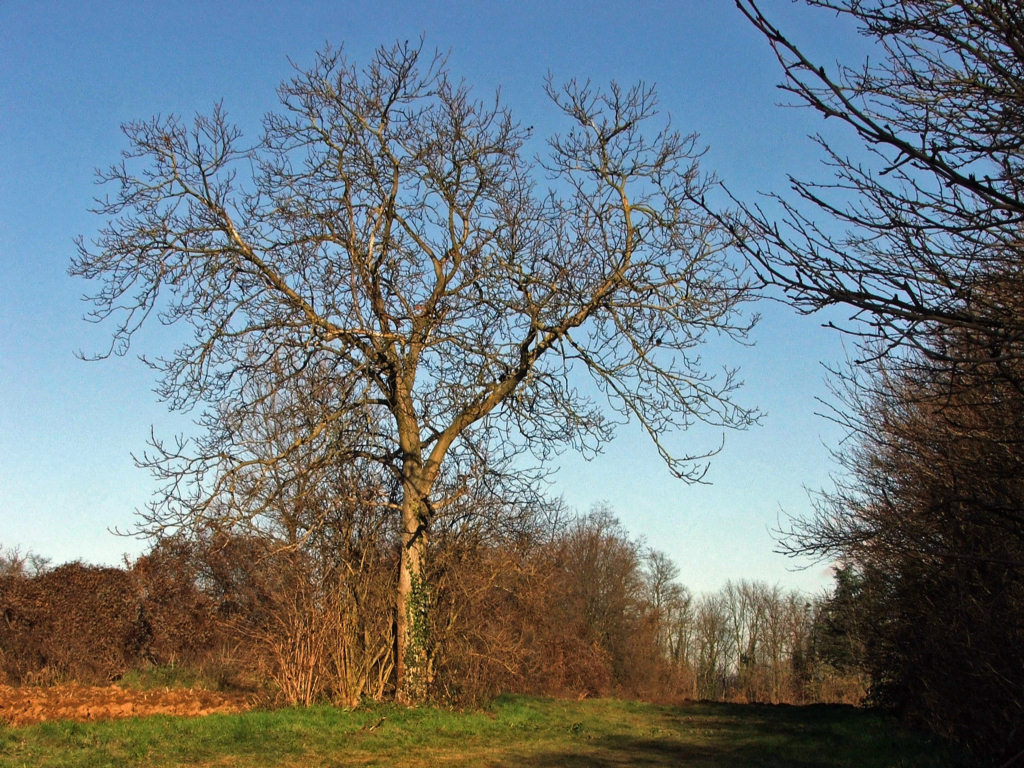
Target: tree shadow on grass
(613, 752)
(749, 736)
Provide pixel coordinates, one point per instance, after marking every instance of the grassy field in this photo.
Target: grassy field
(512, 732)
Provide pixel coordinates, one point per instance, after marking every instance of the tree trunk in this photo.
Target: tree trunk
(413, 609)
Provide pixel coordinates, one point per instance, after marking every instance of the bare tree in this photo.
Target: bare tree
(713, 647)
(668, 598)
(387, 242)
(920, 223)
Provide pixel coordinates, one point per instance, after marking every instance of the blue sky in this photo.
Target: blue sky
(71, 73)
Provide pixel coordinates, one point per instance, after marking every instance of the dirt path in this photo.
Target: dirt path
(26, 705)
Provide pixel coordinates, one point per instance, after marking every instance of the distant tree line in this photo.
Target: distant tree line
(561, 605)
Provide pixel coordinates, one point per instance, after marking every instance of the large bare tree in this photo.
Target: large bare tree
(388, 251)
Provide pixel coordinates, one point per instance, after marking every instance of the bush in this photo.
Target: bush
(75, 622)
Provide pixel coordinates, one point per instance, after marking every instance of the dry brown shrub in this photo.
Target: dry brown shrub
(75, 622)
(181, 617)
(319, 625)
(560, 614)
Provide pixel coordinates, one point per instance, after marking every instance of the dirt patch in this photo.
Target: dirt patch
(26, 705)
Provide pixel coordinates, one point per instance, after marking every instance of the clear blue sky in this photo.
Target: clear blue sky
(72, 72)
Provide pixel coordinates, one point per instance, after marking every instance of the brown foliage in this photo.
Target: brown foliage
(564, 607)
(507, 626)
(920, 235)
(560, 612)
(75, 622)
(181, 617)
(317, 622)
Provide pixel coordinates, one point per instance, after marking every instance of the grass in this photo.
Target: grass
(173, 676)
(169, 676)
(514, 731)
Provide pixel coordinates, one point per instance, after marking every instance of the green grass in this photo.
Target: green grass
(514, 731)
(173, 676)
(169, 676)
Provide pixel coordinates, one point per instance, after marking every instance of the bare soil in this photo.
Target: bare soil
(30, 704)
